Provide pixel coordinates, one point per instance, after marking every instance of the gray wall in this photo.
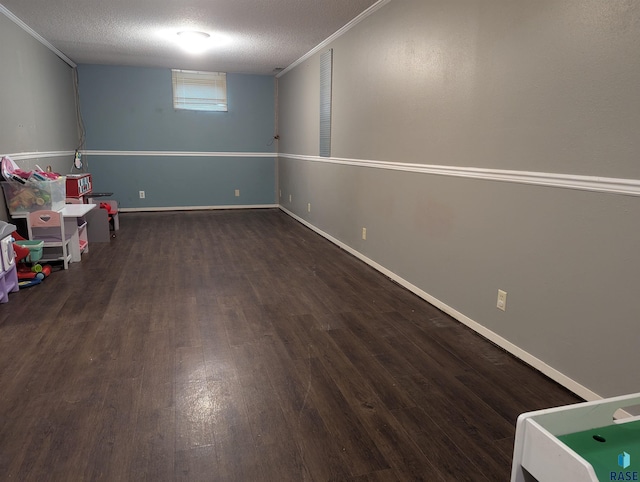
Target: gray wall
(544, 86)
(129, 109)
(37, 101)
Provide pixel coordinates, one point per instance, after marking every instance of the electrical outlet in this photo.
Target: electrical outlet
(289, 197)
(280, 192)
(502, 300)
(141, 194)
(237, 192)
(308, 207)
(364, 233)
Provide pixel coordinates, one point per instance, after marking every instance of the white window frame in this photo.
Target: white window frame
(201, 91)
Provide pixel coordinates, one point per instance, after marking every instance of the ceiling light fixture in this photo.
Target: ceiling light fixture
(193, 41)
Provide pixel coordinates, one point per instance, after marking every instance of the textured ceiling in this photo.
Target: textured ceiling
(261, 34)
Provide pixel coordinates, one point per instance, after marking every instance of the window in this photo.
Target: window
(193, 90)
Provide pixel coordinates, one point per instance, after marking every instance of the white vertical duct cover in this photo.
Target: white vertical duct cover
(326, 70)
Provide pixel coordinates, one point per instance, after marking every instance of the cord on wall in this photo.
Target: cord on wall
(77, 160)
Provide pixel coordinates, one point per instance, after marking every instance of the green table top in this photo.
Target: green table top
(605, 448)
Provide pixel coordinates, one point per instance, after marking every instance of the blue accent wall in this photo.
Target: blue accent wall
(131, 109)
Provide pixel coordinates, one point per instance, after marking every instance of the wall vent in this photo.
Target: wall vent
(326, 74)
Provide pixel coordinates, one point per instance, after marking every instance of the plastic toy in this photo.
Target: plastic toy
(29, 283)
(26, 254)
(108, 208)
(21, 251)
(37, 271)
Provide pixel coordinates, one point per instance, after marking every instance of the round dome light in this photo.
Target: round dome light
(194, 41)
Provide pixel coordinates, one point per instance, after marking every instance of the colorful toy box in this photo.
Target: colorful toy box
(35, 195)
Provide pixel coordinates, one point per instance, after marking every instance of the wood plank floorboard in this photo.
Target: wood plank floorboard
(241, 346)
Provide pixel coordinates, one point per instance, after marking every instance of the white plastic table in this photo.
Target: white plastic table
(72, 213)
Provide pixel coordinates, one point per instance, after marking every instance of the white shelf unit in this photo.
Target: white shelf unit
(538, 451)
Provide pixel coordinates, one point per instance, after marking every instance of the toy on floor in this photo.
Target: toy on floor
(29, 283)
(27, 255)
(37, 271)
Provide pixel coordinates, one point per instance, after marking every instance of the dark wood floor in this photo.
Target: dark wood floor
(241, 346)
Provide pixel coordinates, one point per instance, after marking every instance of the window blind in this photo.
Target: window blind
(194, 90)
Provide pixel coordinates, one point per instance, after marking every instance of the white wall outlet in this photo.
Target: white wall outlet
(280, 192)
(141, 194)
(289, 197)
(502, 300)
(364, 233)
(308, 207)
(237, 192)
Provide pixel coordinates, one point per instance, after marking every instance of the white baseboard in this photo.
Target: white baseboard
(196, 208)
(516, 351)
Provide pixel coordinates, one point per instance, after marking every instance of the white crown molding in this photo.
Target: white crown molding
(24, 156)
(178, 154)
(630, 187)
(518, 352)
(197, 208)
(373, 8)
(7, 13)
